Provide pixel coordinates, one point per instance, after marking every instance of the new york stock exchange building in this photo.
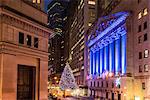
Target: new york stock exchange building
(111, 73)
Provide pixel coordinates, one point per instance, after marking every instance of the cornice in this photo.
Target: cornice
(23, 22)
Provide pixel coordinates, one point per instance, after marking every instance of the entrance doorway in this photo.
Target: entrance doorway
(26, 82)
(112, 96)
(119, 96)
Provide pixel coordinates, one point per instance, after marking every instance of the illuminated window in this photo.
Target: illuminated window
(38, 1)
(140, 15)
(62, 46)
(145, 12)
(146, 68)
(34, 1)
(28, 39)
(91, 2)
(62, 42)
(89, 24)
(146, 53)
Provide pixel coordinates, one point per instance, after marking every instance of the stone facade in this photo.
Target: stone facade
(17, 16)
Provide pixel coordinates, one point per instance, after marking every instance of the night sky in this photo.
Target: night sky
(46, 3)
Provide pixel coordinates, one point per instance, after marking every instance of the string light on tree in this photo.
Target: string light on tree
(67, 80)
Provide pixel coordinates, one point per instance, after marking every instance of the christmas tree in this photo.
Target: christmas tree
(67, 80)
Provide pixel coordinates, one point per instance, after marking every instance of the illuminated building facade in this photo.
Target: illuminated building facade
(23, 50)
(118, 53)
(105, 55)
(107, 50)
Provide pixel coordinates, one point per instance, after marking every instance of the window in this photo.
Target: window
(89, 24)
(28, 39)
(112, 85)
(106, 84)
(146, 53)
(143, 86)
(145, 12)
(146, 68)
(36, 41)
(107, 95)
(91, 84)
(139, 28)
(140, 68)
(21, 38)
(38, 1)
(145, 36)
(145, 25)
(94, 83)
(140, 39)
(140, 55)
(102, 84)
(91, 2)
(139, 1)
(140, 15)
(97, 84)
(34, 1)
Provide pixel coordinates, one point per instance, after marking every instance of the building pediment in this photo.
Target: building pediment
(107, 28)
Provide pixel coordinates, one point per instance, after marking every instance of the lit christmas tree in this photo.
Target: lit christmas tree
(67, 80)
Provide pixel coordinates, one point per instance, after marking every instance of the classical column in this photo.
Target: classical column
(101, 61)
(91, 62)
(94, 63)
(97, 61)
(106, 55)
(111, 56)
(123, 54)
(117, 55)
(99, 67)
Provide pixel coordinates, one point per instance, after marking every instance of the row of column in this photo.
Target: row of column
(111, 57)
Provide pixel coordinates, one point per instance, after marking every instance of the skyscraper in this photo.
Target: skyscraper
(84, 15)
(57, 18)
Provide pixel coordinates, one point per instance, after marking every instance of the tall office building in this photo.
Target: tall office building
(23, 50)
(58, 48)
(84, 14)
(118, 52)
